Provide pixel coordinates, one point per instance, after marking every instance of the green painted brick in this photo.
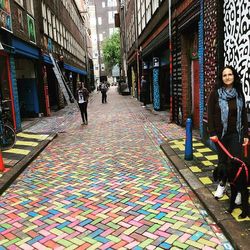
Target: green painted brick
(153, 228)
(89, 240)
(145, 243)
(95, 246)
(113, 238)
(67, 230)
(64, 242)
(180, 245)
(113, 225)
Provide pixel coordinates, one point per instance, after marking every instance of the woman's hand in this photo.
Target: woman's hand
(214, 138)
(245, 142)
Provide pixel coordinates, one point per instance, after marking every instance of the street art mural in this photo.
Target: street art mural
(237, 39)
(5, 15)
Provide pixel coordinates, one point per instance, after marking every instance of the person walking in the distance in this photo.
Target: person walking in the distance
(104, 89)
(227, 121)
(82, 99)
(143, 90)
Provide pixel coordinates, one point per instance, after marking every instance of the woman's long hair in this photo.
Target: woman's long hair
(237, 82)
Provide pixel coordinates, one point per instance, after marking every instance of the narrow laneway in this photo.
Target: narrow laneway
(106, 185)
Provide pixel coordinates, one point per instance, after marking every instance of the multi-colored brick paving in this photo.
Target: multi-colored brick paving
(202, 165)
(106, 185)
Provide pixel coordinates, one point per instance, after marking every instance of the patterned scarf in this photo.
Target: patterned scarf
(225, 95)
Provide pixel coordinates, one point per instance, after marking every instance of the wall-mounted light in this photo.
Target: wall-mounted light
(1, 46)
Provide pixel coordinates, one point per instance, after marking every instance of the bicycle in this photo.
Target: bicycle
(7, 133)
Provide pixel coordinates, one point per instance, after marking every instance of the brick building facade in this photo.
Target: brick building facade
(30, 32)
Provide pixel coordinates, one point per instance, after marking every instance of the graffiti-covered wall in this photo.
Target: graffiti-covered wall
(237, 39)
(210, 34)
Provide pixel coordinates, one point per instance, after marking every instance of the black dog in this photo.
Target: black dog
(238, 177)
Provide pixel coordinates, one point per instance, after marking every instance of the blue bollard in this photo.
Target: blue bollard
(189, 141)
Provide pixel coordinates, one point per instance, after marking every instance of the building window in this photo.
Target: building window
(49, 23)
(30, 7)
(100, 37)
(103, 4)
(45, 26)
(111, 31)
(54, 27)
(99, 20)
(111, 15)
(111, 3)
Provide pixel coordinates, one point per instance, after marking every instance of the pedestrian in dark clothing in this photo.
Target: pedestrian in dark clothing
(82, 100)
(60, 63)
(227, 121)
(104, 89)
(143, 90)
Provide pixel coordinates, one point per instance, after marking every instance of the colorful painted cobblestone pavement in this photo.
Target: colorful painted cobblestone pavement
(106, 186)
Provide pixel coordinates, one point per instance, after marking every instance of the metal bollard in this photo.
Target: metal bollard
(189, 141)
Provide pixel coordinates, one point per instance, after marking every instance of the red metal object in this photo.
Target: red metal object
(2, 168)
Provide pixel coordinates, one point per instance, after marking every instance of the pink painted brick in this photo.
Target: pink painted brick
(184, 237)
(106, 245)
(138, 218)
(126, 238)
(165, 227)
(123, 224)
(107, 232)
(24, 247)
(163, 234)
(91, 227)
(132, 244)
(47, 238)
(180, 218)
(151, 236)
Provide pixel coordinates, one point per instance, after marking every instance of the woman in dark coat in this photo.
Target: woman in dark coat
(227, 120)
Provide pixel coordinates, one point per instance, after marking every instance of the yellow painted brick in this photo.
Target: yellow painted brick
(195, 169)
(194, 244)
(171, 214)
(158, 221)
(211, 157)
(95, 246)
(58, 219)
(192, 217)
(114, 211)
(19, 243)
(207, 242)
(198, 154)
(199, 229)
(166, 205)
(177, 225)
(56, 231)
(172, 239)
(118, 219)
(36, 218)
(187, 230)
(104, 216)
(206, 180)
(29, 228)
(207, 163)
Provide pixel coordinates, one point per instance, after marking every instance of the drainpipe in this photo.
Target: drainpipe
(170, 59)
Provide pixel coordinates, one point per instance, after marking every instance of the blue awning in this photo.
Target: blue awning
(74, 69)
(47, 59)
(25, 49)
